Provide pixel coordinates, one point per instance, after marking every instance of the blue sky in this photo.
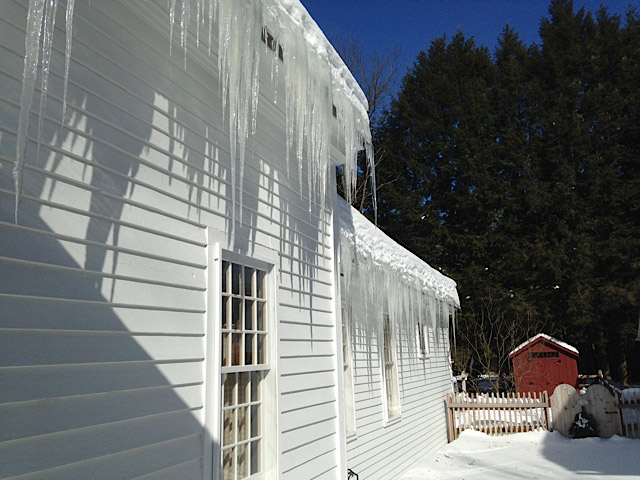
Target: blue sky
(412, 24)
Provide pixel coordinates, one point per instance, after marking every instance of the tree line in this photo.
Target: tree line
(517, 173)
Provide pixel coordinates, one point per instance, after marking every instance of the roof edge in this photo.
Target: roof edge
(543, 336)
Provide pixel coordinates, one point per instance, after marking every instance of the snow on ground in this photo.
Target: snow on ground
(541, 455)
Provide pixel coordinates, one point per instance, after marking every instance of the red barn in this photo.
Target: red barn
(542, 363)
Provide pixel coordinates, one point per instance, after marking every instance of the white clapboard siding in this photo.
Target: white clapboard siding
(384, 451)
(104, 278)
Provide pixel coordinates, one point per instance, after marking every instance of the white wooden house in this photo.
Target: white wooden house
(170, 304)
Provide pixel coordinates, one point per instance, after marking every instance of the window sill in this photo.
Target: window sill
(392, 421)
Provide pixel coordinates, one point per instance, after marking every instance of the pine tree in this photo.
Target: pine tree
(518, 174)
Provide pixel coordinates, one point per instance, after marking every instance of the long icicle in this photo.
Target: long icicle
(47, 40)
(32, 51)
(185, 19)
(172, 21)
(67, 54)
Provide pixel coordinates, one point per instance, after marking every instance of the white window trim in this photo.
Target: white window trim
(213, 369)
(387, 418)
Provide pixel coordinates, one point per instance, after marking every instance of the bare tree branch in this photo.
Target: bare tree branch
(377, 74)
(492, 330)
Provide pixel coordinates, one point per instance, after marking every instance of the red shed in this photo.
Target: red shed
(542, 363)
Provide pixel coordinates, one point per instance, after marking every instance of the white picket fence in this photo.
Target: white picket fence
(497, 413)
(504, 413)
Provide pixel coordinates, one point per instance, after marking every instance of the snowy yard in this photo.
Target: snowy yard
(530, 455)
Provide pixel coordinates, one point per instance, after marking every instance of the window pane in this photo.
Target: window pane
(243, 387)
(248, 349)
(229, 384)
(225, 276)
(255, 420)
(256, 377)
(259, 315)
(243, 461)
(228, 428)
(225, 313)
(225, 349)
(236, 314)
(243, 423)
(260, 350)
(248, 315)
(260, 286)
(255, 457)
(228, 466)
(248, 281)
(345, 349)
(236, 278)
(236, 349)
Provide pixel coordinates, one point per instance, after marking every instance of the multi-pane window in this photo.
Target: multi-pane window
(243, 368)
(390, 370)
(349, 414)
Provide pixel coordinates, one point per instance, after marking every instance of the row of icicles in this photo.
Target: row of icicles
(383, 289)
(312, 89)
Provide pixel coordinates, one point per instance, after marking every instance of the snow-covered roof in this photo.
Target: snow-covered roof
(560, 343)
(318, 41)
(385, 252)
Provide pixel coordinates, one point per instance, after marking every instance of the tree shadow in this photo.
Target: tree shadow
(102, 316)
(607, 458)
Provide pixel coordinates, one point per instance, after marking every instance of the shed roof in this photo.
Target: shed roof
(549, 338)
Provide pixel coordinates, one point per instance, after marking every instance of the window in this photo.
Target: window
(422, 333)
(347, 377)
(390, 371)
(243, 369)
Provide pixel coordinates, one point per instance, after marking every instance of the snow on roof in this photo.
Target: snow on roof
(314, 36)
(546, 337)
(372, 242)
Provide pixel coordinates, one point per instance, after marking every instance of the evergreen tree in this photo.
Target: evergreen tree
(518, 174)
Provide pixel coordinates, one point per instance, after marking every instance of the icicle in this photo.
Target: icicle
(185, 18)
(213, 6)
(453, 327)
(372, 176)
(48, 29)
(240, 24)
(32, 49)
(255, 94)
(198, 7)
(67, 54)
(172, 21)
(296, 78)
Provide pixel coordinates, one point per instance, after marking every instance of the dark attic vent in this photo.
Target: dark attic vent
(272, 43)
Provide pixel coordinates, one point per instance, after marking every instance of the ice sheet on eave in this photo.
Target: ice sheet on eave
(316, 39)
(370, 241)
(546, 337)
